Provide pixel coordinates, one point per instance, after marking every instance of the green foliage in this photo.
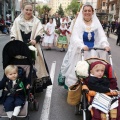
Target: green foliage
(60, 10)
(42, 9)
(57, 32)
(39, 9)
(46, 9)
(73, 7)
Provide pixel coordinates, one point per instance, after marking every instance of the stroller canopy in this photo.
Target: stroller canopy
(14, 48)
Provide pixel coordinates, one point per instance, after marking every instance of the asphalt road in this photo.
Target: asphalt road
(59, 109)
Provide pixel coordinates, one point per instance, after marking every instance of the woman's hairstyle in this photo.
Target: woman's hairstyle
(9, 68)
(26, 3)
(88, 6)
(51, 18)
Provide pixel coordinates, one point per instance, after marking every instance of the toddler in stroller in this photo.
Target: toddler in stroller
(100, 94)
(17, 53)
(98, 82)
(14, 91)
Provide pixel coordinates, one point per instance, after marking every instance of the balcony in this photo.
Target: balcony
(112, 1)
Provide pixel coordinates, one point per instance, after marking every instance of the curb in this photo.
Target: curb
(2, 34)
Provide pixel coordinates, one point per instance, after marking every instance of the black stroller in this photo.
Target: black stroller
(17, 53)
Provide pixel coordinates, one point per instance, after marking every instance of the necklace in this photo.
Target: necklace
(88, 29)
(87, 20)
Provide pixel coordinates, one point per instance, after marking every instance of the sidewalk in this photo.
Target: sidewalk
(1, 34)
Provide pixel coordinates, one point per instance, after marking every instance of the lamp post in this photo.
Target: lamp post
(34, 2)
(12, 9)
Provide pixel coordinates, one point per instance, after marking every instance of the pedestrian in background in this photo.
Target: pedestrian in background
(45, 19)
(3, 27)
(57, 20)
(62, 42)
(28, 28)
(118, 35)
(49, 35)
(113, 26)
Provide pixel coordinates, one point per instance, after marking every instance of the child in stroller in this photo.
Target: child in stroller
(98, 82)
(17, 53)
(96, 86)
(14, 91)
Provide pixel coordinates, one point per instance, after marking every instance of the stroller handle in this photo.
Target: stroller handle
(94, 48)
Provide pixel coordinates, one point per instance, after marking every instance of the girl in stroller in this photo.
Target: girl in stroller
(14, 91)
(98, 82)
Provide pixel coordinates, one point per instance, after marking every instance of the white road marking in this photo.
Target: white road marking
(47, 101)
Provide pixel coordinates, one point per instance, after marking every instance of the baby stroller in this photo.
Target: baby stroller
(17, 53)
(84, 106)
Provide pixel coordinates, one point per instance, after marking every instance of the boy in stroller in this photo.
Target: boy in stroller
(14, 91)
(98, 82)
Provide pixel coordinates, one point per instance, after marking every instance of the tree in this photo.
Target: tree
(73, 7)
(42, 9)
(39, 9)
(60, 10)
(46, 9)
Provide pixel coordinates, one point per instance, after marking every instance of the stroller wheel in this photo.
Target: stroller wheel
(78, 110)
(31, 106)
(88, 115)
(36, 105)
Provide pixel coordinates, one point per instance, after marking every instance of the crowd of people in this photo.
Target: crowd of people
(112, 27)
(4, 25)
(57, 31)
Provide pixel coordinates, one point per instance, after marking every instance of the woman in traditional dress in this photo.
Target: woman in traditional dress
(28, 28)
(87, 32)
(62, 42)
(49, 35)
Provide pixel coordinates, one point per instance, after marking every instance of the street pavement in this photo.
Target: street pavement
(113, 36)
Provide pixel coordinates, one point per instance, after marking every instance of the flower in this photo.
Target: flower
(33, 51)
(45, 32)
(82, 69)
(57, 32)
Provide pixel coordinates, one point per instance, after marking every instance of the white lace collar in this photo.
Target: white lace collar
(25, 26)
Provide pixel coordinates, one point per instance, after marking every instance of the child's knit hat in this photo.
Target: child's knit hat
(95, 63)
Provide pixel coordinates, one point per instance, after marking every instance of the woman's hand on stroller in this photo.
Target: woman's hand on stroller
(114, 92)
(85, 48)
(32, 42)
(107, 48)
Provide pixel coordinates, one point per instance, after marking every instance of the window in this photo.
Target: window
(103, 4)
(112, 7)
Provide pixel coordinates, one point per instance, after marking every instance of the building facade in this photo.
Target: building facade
(54, 4)
(113, 8)
(101, 10)
(92, 2)
(109, 10)
(11, 7)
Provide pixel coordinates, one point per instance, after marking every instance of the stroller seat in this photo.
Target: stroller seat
(23, 112)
